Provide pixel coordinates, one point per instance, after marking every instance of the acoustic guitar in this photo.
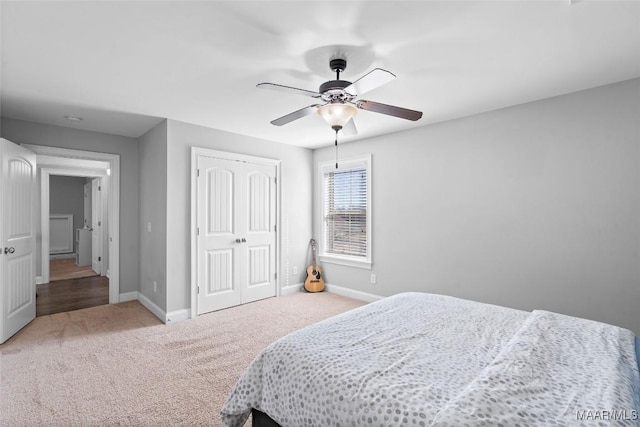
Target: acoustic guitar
(314, 281)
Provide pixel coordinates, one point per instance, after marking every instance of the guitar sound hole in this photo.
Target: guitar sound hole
(318, 275)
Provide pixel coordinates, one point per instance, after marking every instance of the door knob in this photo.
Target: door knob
(244, 240)
(9, 250)
(238, 240)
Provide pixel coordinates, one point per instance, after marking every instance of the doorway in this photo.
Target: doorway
(76, 278)
(71, 294)
(75, 227)
(103, 171)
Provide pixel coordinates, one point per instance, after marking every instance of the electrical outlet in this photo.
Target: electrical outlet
(373, 278)
(155, 286)
(294, 270)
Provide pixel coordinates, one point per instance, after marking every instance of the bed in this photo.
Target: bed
(432, 360)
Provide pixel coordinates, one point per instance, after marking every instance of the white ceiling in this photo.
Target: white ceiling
(124, 65)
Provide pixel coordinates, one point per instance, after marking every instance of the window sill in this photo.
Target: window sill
(346, 261)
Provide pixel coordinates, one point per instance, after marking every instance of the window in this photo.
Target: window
(345, 201)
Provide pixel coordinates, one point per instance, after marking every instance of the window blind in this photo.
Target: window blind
(345, 210)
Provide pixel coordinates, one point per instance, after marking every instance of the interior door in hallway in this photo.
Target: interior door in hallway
(96, 225)
(236, 218)
(17, 238)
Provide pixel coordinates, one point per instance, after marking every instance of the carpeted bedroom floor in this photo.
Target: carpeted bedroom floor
(118, 365)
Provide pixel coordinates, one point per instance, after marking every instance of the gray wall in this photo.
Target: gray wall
(296, 201)
(153, 213)
(66, 196)
(22, 132)
(534, 206)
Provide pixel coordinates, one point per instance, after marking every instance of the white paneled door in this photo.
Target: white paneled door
(17, 238)
(236, 243)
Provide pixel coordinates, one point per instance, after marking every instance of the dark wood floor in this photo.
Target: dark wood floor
(71, 294)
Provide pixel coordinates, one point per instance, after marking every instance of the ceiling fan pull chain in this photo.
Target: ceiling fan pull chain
(336, 148)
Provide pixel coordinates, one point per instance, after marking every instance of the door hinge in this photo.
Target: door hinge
(99, 188)
(275, 228)
(99, 258)
(198, 231)
(275, 275)
(99, 223)
(198, 290)
(198, 172)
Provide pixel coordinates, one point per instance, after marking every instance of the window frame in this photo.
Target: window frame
(346, 260)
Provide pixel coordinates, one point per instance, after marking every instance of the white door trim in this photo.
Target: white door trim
(195, 153)
(63, 161)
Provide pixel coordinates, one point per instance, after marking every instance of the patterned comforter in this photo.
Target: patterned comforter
(432, 360)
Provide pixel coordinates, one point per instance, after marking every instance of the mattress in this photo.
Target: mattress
(424, 359)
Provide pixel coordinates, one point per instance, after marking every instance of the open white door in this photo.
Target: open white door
(96, 225)
(17, 238)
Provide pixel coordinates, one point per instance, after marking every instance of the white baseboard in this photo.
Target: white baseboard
(63, 256)
(350, 293)
(152, 307)
(129, 296)
(185, 314)
(338, 290)
(178, 316)
(172, 317)
(39, 280)
(291, 289)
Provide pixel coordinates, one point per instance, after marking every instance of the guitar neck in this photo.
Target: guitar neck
(313, 251)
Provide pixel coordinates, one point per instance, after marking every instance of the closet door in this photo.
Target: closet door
(260, 218)
(236, 233)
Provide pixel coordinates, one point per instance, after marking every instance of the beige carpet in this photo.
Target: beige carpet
(117, 365)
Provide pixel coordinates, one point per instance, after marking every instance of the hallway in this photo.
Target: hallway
(70, 287)
(71, 294)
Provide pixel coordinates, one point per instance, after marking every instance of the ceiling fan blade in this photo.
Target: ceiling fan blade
(370, 81)
(390, 110)
(288, 89)
(349, 128)
(295, 115)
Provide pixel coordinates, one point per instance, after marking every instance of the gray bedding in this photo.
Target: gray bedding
(423, 359)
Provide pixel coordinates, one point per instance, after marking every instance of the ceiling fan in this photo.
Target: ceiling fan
(339, 101)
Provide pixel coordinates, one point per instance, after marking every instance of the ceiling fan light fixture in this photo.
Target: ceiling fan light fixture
(337, 114)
